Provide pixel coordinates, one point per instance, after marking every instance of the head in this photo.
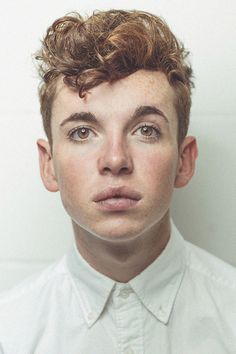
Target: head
(108, 46)
(115, 102)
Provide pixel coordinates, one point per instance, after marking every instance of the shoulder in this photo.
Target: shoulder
(207, 297)
(33, 293)
(26, 308)
(212, 281)
(209, 267)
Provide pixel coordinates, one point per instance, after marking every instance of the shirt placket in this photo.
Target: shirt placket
(128, 312)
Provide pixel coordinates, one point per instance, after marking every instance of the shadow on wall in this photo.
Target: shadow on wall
(204, 211)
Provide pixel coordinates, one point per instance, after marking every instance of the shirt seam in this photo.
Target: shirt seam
(210, 275)
(7, 297)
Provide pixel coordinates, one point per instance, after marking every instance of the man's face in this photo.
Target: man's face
(132, 143)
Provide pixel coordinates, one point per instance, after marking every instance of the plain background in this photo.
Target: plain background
(34, 228)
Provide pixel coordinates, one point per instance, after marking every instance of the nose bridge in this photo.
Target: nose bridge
(115, 156)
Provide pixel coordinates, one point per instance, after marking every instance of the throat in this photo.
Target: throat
(122, 261)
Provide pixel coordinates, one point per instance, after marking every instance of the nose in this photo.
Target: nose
(115, 158)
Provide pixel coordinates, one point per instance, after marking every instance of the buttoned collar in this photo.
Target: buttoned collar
(92, 288)
(156, 286)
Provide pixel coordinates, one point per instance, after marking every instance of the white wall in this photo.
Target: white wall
(34, 228)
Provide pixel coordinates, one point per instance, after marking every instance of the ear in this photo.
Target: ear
(188, 153)
(46, 166)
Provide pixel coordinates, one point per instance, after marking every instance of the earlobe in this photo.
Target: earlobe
(46, 166)
(188, 153)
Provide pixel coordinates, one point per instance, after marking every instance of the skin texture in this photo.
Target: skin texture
(118, 152)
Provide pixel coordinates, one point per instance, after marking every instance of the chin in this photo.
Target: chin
(119, 233)
(117, 237)
(114, 233)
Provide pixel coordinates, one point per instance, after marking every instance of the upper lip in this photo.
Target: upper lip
(117, 192)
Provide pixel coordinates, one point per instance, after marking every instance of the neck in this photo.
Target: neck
(122, 261)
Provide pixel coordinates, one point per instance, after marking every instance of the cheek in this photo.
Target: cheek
(72, 176)
(71, 168)
(160, 168)
(158, 182)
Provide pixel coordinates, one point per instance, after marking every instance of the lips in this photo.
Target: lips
(117, 192)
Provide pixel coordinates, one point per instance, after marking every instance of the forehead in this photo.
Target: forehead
(118, 99)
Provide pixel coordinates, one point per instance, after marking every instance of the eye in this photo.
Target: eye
(80, 133)
(149, 131)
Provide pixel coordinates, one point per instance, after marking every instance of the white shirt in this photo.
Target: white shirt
(183, 303)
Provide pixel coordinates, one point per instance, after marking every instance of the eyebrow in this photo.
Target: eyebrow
(90, 118)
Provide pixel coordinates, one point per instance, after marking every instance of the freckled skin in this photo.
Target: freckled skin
(79, 168)
(117, 154)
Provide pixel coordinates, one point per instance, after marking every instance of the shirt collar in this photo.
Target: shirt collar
(92, 288)
(156, 286)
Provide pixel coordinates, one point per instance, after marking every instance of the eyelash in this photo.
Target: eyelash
(72, 131)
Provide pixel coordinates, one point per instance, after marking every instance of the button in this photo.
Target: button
(91, 316)
(124, 293)
(129, 351)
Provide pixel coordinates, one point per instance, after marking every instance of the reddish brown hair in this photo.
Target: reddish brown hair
(108, 46)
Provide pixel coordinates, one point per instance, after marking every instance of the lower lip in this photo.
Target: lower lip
(117, 204)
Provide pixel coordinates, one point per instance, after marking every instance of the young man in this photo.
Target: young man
(115, 102)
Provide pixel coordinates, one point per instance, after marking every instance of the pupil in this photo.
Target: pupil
(82, 132)
(145, 130)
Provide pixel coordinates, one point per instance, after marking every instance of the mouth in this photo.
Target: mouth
(117, 199)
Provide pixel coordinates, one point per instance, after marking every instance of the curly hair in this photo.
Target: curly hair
(108, 46)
